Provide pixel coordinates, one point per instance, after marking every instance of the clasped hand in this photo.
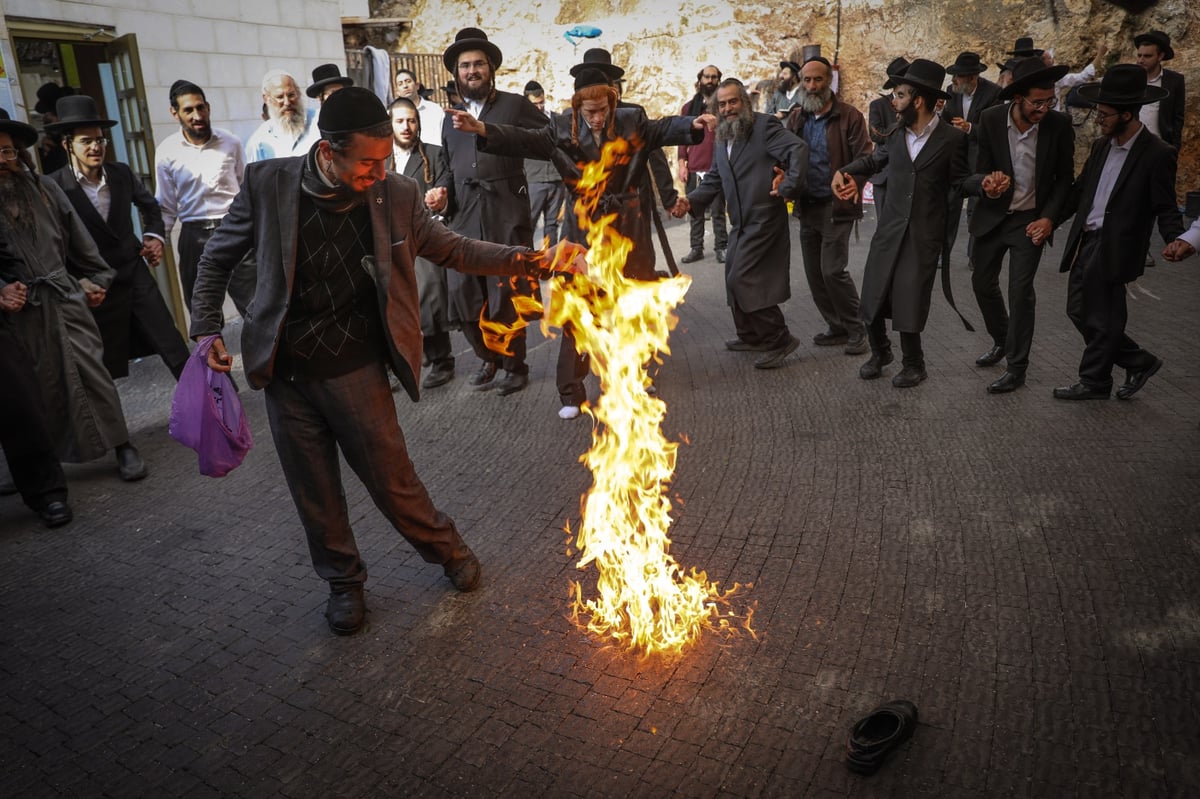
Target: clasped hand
(995, 184)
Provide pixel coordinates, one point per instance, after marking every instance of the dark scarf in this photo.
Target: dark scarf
(337, 199)
(698, 106)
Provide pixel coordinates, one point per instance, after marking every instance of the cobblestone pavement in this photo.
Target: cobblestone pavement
(1022, 569)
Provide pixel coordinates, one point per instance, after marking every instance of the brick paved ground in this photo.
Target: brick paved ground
(1022, 569)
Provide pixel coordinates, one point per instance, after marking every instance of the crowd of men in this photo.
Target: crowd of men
(353, 237)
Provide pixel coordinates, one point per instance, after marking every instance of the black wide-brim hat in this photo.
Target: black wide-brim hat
(897, 66)
(48, 95)
(1160, 38)
(924, 74)
(326, 75)
(1030, 71)
(967, 63)
(77, 111)
(601, 59)
(470, 39)
(1024, 48)
(23, 136)
(1123, 84)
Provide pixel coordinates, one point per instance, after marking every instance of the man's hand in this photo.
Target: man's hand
(681, 208)
(436, 199)
(152, 250)
(961, 124)
(218, 359)
(704, 121)
(776, 180)
(1178, 250)
(1039, 230)
(95, 294)
(1098, 61)
(995, 184)
(844, 187)
(682, 171)
(462, 120)
(13, 296)
(566, 257)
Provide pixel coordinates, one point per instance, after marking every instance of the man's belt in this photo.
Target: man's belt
(203, 224)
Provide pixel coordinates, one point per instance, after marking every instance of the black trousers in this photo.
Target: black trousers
(28, 449)
(720, 224)
(546, 201)
(193, 236)
(910, 343)
(1011, 328)
(766, 326)
(468, 295)
(1096, 306)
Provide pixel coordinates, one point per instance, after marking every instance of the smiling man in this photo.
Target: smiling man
(335, 239)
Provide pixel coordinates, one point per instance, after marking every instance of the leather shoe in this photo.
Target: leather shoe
(1008, 381)
(720, 253)
(909, 376)
(831, 338)
(873, 368)
(1134, 380)
(692, 256)
(741, 345)
(484, 377)
(346, 610)
(875, 737)
(857, 345)
(439, 375)
(56, 514)
(464, 572)
(130, 466)
(1078, 391)
(992, 357)
(775, 358)
(511, 383)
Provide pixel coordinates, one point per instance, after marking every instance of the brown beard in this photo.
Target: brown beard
(17, 196)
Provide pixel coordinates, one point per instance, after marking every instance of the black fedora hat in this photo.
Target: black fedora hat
(1029, 72)
(1008, 65)
(23, 135)
(48, 94)
(967, 63)
(896, 67)
(326, 75)
(471, 39)
(924, 74)
(1024, 47)
(1122, 84)
(601, 59)
(1161, 39)
(450, 88)
(77, 111)
(792, 65)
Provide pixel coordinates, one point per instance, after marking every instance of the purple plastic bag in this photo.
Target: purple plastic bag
(206, 415)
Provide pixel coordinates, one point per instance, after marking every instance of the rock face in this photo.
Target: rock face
(662, 48)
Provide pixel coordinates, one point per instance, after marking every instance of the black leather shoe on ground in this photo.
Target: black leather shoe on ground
(1078, 391)
(464, 572)
(857, 345)
(773, 359)
(875, 737)
(483, 378)
(56, 514)
(740, 345)
(909, 376)
(692, 256)
(831, 338)
(992, 357)
(1134, 380)
(720, 253)
(346, 610)
(511, 383)
(1007, 382)
(438, 376)
(873, 368)
(130, 466)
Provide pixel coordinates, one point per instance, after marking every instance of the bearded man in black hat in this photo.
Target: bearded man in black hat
(926, 159)
(1126, 184)
(485, 196)
(133, 319)
(335, 241)
(1026, 162)
(787, 91)
(1164, 118)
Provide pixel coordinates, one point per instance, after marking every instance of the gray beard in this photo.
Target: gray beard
(290, 123)
(959, 88)
(736, 129)
(812, 103)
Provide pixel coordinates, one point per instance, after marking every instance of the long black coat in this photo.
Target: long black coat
(133, 319)
(903, 260)
(758, 261)
(627, 190)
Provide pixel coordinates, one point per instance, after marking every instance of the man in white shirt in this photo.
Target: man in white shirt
(199, 172)
(1164, 118)
(290, 129)
(432, 115)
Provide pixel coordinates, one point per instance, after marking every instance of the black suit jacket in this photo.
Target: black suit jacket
(882, 118)
(115, 238)
(1144, 191)
(1054, 166)
(1170, 109)
(987, 94)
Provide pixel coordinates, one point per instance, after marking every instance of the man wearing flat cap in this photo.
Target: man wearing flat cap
(1023, 176)
(486, 197)
(1163, 118)
(326, 79)
(335, 240)
(1126, 184)
(787, 91)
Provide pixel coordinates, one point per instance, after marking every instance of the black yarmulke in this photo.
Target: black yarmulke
(350, 110)
(590, 76)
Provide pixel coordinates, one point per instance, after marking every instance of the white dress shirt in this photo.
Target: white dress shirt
(198, 182)
(97, 192)
(1117, 153)
(916, 141)
(1192, 235)
(1149, 112)
(432, 116)
(1023, 149)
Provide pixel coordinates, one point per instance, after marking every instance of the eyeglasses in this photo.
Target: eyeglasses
(86, 143)
(9, 153)
(1041, 105)
(472, 64)
(1100, 116)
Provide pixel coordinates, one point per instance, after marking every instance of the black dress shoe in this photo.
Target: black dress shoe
(741, 345)
(775, 358)
(992, 357)
(439, 375)
(831, 338)
(1078, 391)
(909, 376)
(1007, 382)
(483, 378)
(875, 737)
(56, 514)
(464, 572)
(130, 466)
(346, 610)
(692, 256)
(511, 383)
(1134, 380)
(720, 253)
(873, 368)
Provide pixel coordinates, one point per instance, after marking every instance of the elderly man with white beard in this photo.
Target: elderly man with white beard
(290, 129)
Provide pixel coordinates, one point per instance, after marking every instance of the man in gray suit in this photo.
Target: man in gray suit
(336, 305)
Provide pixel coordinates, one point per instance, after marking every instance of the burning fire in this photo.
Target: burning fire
(645, 600)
